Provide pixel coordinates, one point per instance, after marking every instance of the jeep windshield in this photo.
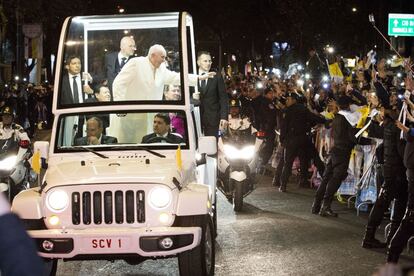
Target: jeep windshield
(122, 130)
(124, 59)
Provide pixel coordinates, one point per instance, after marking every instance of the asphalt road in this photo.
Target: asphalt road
(275, 235)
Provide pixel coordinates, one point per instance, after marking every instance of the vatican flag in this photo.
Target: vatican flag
(36, 162)
(178, 159)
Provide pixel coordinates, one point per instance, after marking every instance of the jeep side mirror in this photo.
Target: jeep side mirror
(207, 145)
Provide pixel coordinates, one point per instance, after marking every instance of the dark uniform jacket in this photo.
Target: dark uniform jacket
(409, 152)
(296, 124)
(393, 145)
(264, 117)
(344, 136)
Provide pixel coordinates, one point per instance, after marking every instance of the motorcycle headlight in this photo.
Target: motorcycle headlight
(57, 201)
(160, 197)
(247, 152)
(231, 152)
(8, 163)
(244, 153)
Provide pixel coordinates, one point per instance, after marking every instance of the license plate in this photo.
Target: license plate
(103, 243)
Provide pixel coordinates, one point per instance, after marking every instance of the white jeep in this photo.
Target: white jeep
(133, 193)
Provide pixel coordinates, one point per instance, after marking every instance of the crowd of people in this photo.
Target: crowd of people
(337, 125)
(31, 104)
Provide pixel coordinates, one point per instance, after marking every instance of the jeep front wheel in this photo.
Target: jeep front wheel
(201, 259)
(50, 267)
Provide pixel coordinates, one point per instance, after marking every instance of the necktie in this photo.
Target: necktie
(203, 82)
(123, 61)
(75, 90)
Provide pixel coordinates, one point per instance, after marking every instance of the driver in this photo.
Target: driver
(236, 119)
(94, 136)
(162, 133)
(8, 128)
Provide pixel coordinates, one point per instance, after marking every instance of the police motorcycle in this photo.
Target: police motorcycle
(15, 172)
(238, 157)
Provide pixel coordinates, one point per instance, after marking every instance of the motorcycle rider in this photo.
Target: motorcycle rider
(8, 128)
(236, 119)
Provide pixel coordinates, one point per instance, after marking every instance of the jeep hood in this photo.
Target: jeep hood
(118, 171)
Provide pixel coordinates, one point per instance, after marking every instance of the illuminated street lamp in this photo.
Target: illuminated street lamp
(354, 9)
(330, 49)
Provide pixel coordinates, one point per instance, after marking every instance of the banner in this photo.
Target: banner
(33, 41)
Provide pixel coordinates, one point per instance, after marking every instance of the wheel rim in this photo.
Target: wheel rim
(208, 249)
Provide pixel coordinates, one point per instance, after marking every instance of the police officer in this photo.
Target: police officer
(8, 128)
(265, 120)
(395, 182)
(295, 137)
(337, 168)
(406, 228)
(237, 120)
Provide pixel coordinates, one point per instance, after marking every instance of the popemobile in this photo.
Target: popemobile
(128, 176)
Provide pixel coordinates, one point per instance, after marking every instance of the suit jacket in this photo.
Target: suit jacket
(18, 252)
(66, 95)
(214, 103)
(112, 67)
(83, 141)
(171, 137)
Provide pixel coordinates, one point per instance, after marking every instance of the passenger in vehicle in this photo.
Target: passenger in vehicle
(73, 90)
(100, 94)
(162, 131)
(143, 78)
(173, 93)
(115, 61)
(94, 136)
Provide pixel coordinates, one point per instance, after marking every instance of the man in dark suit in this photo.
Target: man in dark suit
(94, 136)
(18, 252)
(213, 98)
(116, 60)
(162, 132)
(72, 89)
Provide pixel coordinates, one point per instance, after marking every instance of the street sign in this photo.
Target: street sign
(400, 24)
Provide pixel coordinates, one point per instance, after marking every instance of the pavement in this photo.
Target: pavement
(275, 234)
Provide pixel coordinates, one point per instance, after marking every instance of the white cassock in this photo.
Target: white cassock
(139, 80)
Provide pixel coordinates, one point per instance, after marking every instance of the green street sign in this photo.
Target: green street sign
(400, 24)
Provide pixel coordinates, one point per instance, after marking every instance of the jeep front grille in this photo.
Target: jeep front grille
(108, 207)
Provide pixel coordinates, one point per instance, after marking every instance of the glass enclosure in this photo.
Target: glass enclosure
(124, 58)
(115, 130)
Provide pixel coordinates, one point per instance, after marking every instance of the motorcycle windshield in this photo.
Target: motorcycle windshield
(8, 147)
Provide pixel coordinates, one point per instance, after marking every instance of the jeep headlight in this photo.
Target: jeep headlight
(160, 197)
(8, 163)
(57, 200)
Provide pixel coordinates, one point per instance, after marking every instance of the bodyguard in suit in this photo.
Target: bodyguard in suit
(162, 133)
(116, 60)
(94, 128)
(213, 98)
(72, 89)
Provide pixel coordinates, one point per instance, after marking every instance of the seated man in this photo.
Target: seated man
(94, 136)
(162, 132)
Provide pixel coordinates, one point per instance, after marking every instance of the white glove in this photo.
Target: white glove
(86, 76)
(223, 124)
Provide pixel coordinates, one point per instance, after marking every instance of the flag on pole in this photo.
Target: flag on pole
(36, 162)
(178, 159)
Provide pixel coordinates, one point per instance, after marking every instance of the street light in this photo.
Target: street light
(354, 9)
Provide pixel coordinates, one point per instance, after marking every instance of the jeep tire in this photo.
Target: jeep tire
(201, 259)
